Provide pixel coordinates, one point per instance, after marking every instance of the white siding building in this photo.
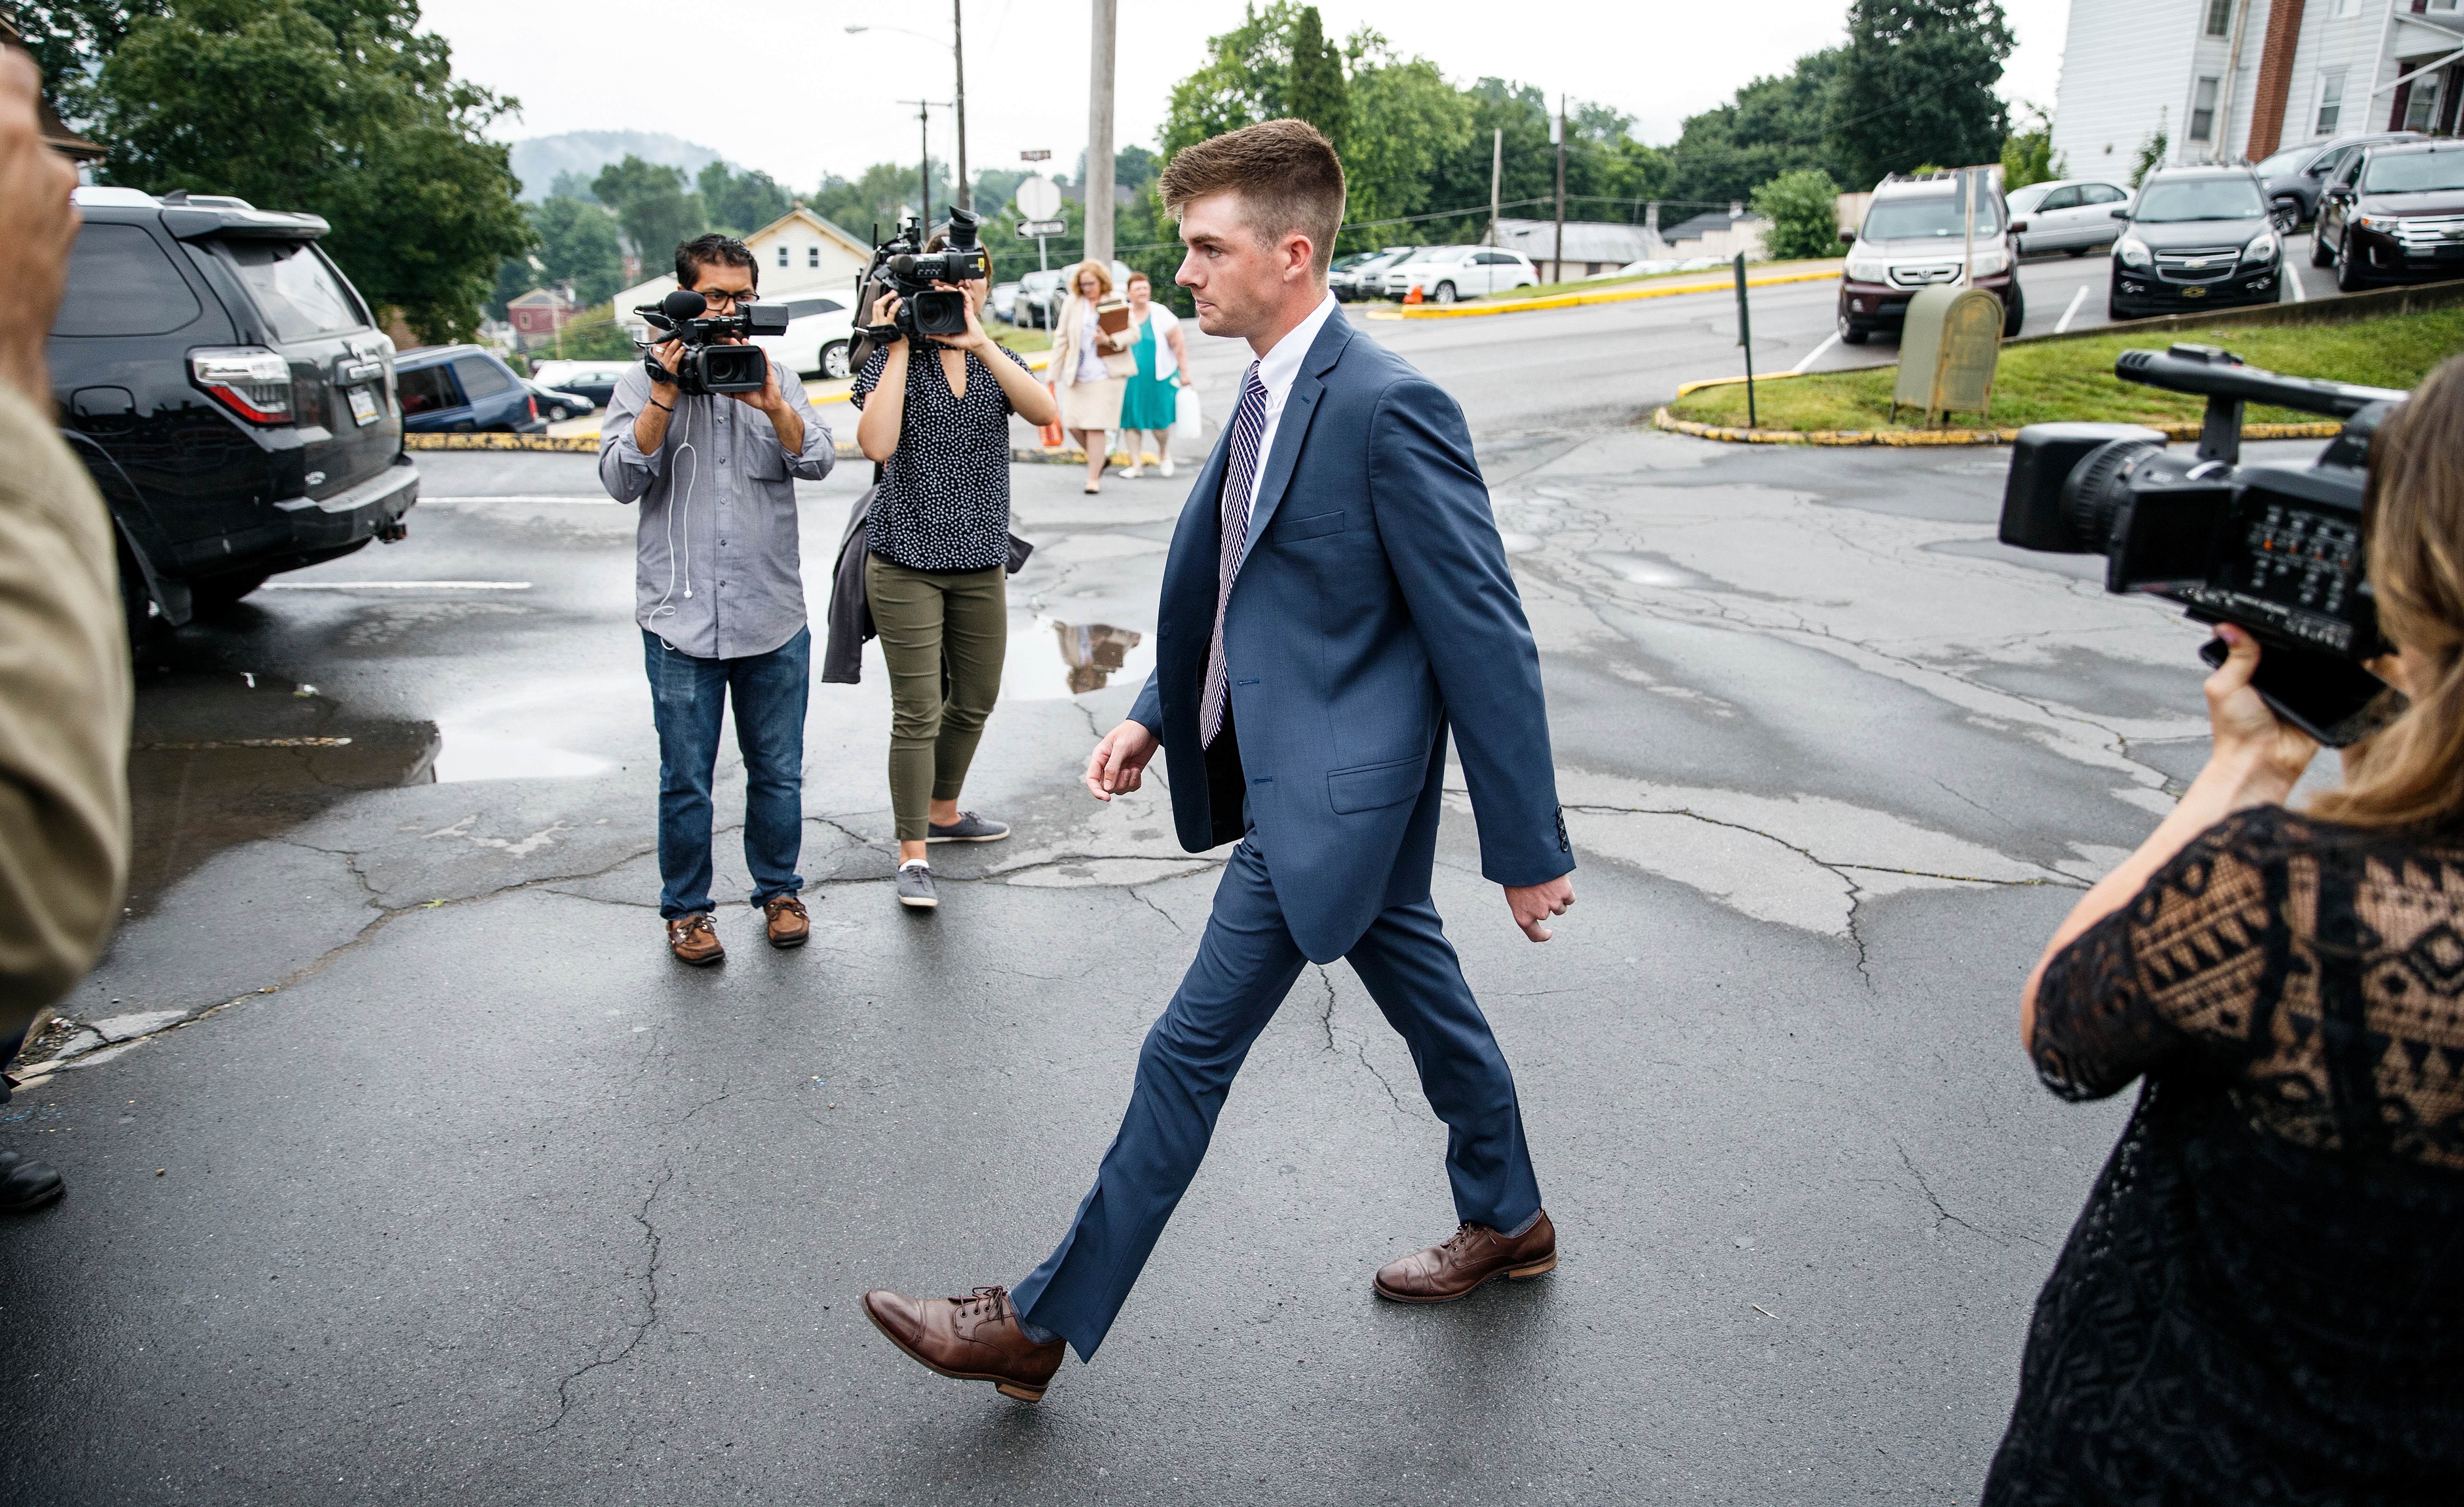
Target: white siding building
(2233, 80)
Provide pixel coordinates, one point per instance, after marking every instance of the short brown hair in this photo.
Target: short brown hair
(1286, 174)
(714, 250)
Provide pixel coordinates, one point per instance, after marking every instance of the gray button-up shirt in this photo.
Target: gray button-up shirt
(716, 563)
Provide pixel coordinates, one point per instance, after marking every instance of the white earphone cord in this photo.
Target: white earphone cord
(684, 447)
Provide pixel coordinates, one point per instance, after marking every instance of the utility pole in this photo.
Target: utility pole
(1098, 185)
(924, 140)
(1560, 274)
(1496, 169)
(958, 55)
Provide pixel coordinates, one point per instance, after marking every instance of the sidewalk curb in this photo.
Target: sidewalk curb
(588, 445)
(1570, 300)
(1927, 439)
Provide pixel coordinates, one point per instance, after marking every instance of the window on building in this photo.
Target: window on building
(2219, 17)
(782, 256)
(2331, 102)
(812, 257)
(2203, 110)
(2421, 104)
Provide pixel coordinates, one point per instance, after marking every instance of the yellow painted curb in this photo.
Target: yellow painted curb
(1570, 300)
(1925, 439)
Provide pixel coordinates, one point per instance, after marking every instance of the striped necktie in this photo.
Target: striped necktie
(1239, 470)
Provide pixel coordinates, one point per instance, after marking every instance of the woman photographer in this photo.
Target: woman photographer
(936, 545)
(1090, 368)
(2264, 1298)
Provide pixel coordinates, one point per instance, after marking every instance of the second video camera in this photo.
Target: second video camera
(712, 364)
(2275, 550)
(902, 265)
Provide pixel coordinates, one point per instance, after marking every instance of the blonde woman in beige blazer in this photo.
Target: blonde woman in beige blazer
(1090, 370)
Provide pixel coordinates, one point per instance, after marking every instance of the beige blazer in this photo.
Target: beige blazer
(1064, 366)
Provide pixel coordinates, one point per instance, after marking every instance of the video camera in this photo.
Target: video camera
(2275, 550)
(901, 266)
(711, 364)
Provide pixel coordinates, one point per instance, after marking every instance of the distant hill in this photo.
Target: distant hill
(539, 160)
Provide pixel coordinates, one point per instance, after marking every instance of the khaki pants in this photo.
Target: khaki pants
(943, 634)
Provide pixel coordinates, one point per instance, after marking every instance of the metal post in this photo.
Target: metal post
(1746, 339)
(1040, 265)
(1496, 172)
(1099, 134)
(1967, 227)
(958, 56)
(1560, 274)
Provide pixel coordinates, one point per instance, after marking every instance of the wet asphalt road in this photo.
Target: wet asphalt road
(466, 1192)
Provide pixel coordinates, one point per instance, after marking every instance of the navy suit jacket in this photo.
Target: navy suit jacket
(1374, 611)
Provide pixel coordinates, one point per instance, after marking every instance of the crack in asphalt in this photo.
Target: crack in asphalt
(1150, 905)
(1326, 1023)
(719, 1098)
(1942, 1216)
(651, 1306)
(1326, 1017)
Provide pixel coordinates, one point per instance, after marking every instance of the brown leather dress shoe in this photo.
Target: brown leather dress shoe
(970, 1339)
(786, 923)
(1477, 1253)
(694, 940)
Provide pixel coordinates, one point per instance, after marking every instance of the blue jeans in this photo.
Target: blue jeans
(686, 695)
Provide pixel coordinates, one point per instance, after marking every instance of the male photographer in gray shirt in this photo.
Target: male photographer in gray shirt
(721, 599)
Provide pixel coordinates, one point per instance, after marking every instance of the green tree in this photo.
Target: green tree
(1803, 208)
(1916, 85)
(571, 185)
(740, 203)
(578, 245)
(70, 39)
(2151, 152)
(2028, 152)
(652, 206)
(338, 107)
(1773, 126)
(1313, 88)
(1405, 123)
(878, 198)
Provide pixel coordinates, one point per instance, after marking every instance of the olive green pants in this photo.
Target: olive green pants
(943, 634)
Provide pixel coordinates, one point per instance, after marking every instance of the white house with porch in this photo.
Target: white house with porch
(797, 252)
(2236, 80)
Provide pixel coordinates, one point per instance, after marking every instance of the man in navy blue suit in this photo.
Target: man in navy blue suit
(1335, 603)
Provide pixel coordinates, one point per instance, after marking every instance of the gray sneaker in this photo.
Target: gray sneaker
(916, 888)
(968, 828)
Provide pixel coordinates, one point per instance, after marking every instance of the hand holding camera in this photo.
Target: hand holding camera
(705, 355)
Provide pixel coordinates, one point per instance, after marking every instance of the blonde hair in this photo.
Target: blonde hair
(1103, 277)
(2412, 772)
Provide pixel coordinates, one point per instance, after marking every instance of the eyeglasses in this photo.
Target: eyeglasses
(719, 295)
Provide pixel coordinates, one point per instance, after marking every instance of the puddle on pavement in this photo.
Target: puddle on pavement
(1646, 570)
(219, 758)
(1093, 655)
(538, 733)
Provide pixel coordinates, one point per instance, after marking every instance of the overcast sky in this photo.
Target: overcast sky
(808, 99)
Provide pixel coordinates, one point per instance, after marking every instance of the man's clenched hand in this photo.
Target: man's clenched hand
(1118, 765)
(1533, 904)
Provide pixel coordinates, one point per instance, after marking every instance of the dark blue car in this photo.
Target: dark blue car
(461, 389)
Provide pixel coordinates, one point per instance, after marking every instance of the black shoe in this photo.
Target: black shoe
(26, 1185)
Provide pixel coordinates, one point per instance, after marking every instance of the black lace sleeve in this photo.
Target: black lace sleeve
(2179, 965)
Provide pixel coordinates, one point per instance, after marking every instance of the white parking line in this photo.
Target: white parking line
(396, 585)
(2293, 275)
(1816, 354)
(2062, 326)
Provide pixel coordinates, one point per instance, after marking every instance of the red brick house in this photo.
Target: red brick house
(537, 315)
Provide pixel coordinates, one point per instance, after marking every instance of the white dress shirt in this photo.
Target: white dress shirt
(1276, 371)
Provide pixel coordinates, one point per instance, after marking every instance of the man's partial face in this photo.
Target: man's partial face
(1238, 282)
(724, 284)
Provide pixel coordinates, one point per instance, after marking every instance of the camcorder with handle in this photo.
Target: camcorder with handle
(712, 364)
(2275, 550)
(902, 265)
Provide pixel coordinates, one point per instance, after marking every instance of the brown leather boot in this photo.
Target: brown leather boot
(786, 923)
(1477, 1253)
(970, 1339)
(694, 940)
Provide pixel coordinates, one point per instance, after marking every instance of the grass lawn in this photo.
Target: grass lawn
(1025, 341)
(1753, 270)
(2074, 378)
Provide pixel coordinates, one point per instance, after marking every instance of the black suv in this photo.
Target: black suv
(2294, 178)
(2195, 238)
(231, 394)
(2394, 213)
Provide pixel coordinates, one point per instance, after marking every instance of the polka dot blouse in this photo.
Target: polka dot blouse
(944, 497)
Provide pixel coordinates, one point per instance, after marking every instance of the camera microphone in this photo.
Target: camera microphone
(684, 304)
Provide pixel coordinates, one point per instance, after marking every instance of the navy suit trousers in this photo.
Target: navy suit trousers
(1246, 965)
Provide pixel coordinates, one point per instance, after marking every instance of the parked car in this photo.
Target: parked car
(2196, 238)
(1354, 276)
(231, 394)
(463, 389)
(555, 405)
(1039, 298)
(2073, 214)
(1004, 302)
(595, 380)
(1445, 273)
(818, 333)
(2294, 178)
(2394, 213)
(1912, 238)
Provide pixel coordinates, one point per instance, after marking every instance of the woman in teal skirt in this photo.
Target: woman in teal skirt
(1152, 401)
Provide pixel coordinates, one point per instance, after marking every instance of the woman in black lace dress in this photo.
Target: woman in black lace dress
(2264, 1298)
